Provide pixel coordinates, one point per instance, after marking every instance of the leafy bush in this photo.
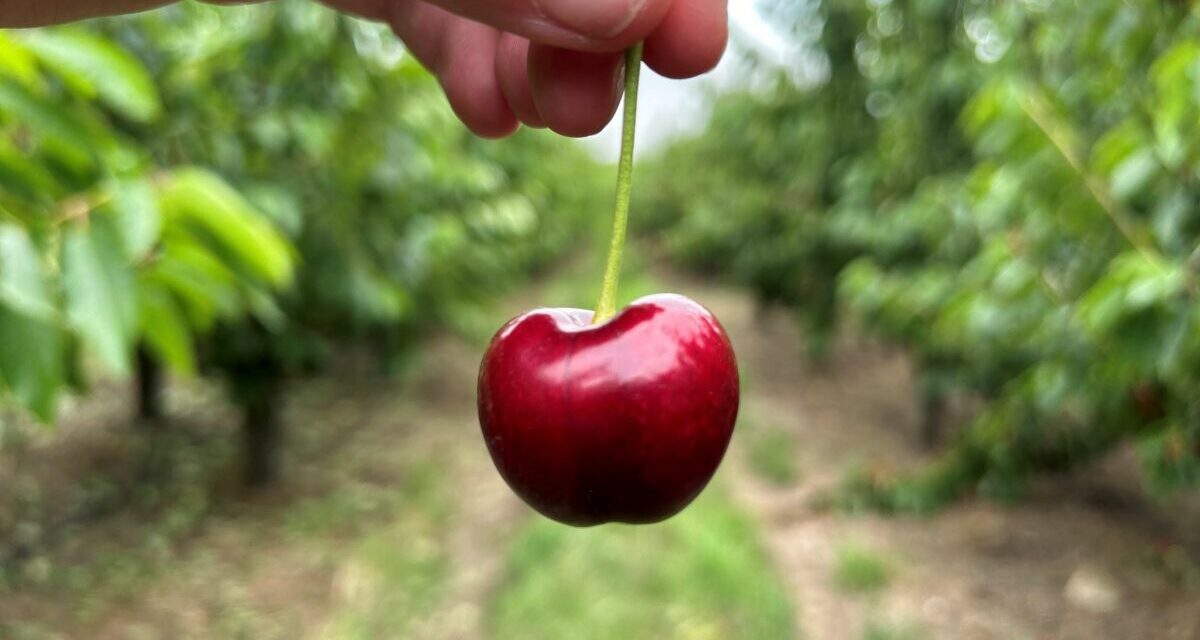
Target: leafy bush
(1005, 189)
(100, 248)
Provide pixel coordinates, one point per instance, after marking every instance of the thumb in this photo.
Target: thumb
(583, 25)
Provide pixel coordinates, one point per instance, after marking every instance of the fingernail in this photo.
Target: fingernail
(594, 18)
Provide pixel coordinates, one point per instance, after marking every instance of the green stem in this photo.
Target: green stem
(607, 306)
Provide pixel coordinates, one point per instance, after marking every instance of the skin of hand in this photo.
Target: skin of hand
(501, 63)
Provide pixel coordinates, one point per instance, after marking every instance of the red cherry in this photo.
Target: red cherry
(622, 421)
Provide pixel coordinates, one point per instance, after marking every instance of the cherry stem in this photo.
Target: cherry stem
(607, 306)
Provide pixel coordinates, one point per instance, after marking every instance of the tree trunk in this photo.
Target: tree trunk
(262, 431)
(149, 388)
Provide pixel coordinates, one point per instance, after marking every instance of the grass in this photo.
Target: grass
(396, 571)
(860, 570)
(882, 630)
(697, 576)
(384, 541)
(772, 455)
(172, 506)
(392, 580)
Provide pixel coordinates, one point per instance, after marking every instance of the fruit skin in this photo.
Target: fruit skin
(623, 421)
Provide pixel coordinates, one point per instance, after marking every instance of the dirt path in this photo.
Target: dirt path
(487, 511)
(311, 559)
(976, 571)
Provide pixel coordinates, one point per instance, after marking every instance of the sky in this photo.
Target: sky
(670, 108)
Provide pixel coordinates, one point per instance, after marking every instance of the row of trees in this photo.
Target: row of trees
(245, 191)
(1008, 190)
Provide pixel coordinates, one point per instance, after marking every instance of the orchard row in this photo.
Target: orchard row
(1008, 190)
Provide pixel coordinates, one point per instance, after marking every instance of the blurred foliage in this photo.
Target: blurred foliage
(100, 248)
(1006, 189)
(251, 189)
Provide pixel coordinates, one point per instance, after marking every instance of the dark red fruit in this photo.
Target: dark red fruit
(622, 421)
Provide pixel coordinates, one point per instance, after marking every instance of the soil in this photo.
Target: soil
(974, 571)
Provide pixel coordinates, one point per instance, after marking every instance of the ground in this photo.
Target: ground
(977, 570)
(392, 523)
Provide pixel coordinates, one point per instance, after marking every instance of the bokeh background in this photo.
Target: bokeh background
(249, 262)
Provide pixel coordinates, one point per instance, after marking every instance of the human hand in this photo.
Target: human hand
(553, 63)
(548, 63)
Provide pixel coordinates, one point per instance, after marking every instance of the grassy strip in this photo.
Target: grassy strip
(398, 573)
(700, 575)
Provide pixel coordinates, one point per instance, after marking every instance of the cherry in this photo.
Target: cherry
(622, 421)
(610, 417)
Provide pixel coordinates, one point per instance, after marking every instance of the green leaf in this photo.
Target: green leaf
(119, 80)
(375, 296)
(31, 361)
(263, 307)
(135, 211)
(16, 62)
(166, 330)
(203, 203)
(1117, 145)
(22, 281)
(205, 287)
(1170, 216)
(280, 205)
(52, 120)
(99, 285)
(1173, 356)
(1154, 287)
(1103, 304)
(1133, 173)
(1174, 67)
(43, 116)
(1132, 284)
(23, 177)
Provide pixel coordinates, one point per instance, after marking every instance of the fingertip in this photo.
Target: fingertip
(576, 93)
(468, 78)
(690, 40)
(512, 72)
(496, 128)
(480, 105)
